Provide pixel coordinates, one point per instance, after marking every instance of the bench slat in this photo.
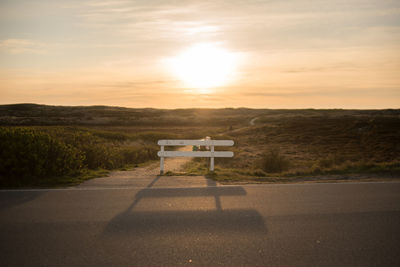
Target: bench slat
(195, 142)
(197, 154)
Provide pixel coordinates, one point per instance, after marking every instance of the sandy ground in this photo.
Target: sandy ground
(143, 176)
(170, 164)
(139, 176)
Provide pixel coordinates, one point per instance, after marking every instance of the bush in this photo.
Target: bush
(330, 161)
(100, 153)
(112, 136)
(27, 155)
(153, 136)
(273, 162)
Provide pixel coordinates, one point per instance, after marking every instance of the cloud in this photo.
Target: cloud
(329, 67)
(247, 25)
(294, 50)
(20, 46)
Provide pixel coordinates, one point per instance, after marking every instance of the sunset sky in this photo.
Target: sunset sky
(178, 54)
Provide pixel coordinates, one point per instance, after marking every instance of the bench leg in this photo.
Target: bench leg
(162, 162)
(212, 159)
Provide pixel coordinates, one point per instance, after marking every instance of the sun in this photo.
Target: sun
(204, 66)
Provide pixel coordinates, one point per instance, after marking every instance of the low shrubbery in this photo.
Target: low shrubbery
(26, 156)
(106, 152)
(311, 142)
(315, 145)
(359, 166)
(31, 155)
(274, 162)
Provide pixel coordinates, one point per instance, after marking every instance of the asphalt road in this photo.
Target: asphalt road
(172, 221)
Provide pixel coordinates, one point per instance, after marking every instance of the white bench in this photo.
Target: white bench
(203, 154)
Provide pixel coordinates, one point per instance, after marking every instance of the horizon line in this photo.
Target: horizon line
(263, 108)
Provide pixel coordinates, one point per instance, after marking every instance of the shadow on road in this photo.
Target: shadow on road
(141, 222)
(10, 198)
(183, 220)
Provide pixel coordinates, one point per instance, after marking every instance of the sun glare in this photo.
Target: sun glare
(204, 66)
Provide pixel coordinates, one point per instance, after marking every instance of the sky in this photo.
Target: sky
(199, 53)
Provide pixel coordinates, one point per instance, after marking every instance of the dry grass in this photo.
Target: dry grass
(312, 145)
(310, 142)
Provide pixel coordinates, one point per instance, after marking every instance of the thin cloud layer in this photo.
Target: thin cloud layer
(295, 53)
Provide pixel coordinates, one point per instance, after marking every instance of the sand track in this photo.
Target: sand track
(170, 164)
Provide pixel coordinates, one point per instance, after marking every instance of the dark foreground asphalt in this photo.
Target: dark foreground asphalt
(165, 223)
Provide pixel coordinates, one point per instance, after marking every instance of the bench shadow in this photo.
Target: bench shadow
(143, 222)
(11, 198)
(158, 222)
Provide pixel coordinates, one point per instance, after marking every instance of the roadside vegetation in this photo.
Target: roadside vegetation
(51, 155)
(47, 145)
(289, 148)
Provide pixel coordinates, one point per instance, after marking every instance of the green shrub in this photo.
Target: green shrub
(112, 136)
(330, 161)
(273, 162)
(27, 155)
(259, 173)
(106, 150)
(153, 136)
(31, 154)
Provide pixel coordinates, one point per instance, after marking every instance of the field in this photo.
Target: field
(270, 145)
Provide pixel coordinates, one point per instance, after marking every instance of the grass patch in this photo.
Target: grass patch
(274, 162)
(345, 172)
(312, 143)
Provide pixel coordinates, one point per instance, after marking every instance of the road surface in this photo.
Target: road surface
(174, 221)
